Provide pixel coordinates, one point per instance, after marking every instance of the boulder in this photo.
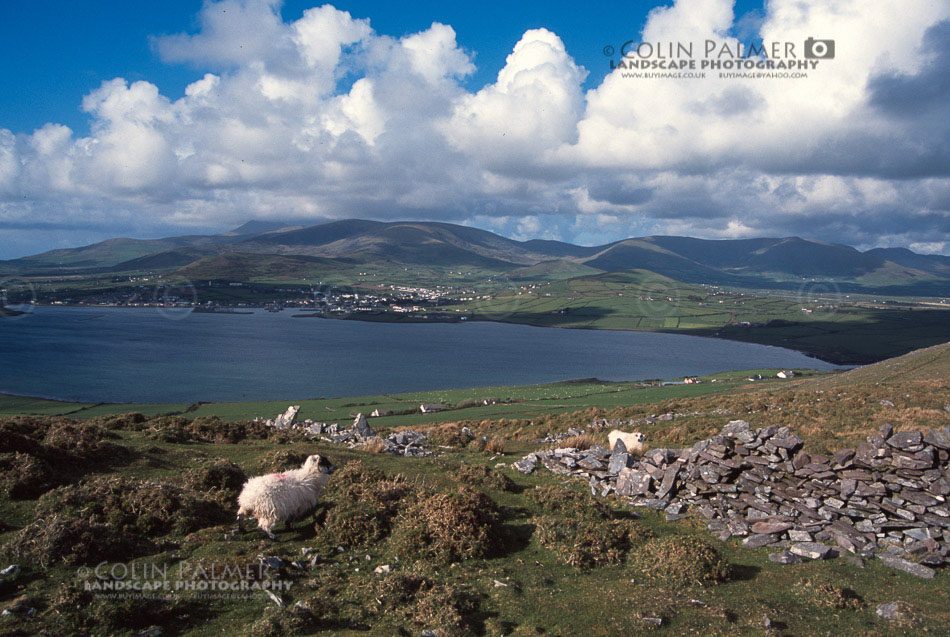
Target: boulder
(907, 566)
(618, 461)
(812, 550)
(362, 428)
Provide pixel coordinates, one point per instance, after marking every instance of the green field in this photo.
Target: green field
(835, 328)
(523, 401)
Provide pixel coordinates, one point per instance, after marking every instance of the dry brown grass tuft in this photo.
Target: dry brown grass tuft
(495, 445)
(446, 434)
(823, 594)
(374, 445)
(448, 608)
(581, 442)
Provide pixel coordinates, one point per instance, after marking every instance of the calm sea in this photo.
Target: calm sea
(150, 355)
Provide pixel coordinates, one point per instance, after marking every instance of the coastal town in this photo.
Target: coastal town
(234, 297)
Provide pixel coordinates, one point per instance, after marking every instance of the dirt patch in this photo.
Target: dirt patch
(448, 527)
(681, 560)
(482, 477)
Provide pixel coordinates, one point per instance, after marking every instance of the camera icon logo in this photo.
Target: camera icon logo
(819, 49)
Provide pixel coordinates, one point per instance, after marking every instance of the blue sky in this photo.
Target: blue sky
(57, 51)
(176, 117)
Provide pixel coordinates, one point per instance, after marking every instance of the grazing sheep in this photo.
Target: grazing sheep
(635, 442)
(285, 496)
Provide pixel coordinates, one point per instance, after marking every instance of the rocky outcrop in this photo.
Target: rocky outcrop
(886, 497)
(286, 419)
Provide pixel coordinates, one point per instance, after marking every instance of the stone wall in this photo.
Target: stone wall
(887, 498)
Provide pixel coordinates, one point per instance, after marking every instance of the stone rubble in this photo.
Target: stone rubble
(286, 419)
(888, 497)
(404, 443)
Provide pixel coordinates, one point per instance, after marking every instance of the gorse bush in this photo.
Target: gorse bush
(482, 477)
(680, 560)
(281, 460)
(447, 527)
(111, 518)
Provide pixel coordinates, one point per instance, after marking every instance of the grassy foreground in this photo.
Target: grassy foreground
(463, 544)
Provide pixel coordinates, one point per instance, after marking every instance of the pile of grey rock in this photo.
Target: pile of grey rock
(286, 419)
(404, 443)
(887, 497)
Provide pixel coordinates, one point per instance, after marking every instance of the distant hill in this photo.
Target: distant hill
(551, 271)
(766, 262)
(236, 266)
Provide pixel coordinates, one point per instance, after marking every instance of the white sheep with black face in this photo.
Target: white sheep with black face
(634, 441)
(285, 496)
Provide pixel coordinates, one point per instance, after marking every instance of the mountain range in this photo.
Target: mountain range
(276, 249)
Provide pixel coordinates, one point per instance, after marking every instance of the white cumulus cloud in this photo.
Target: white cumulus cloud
(322, 117)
